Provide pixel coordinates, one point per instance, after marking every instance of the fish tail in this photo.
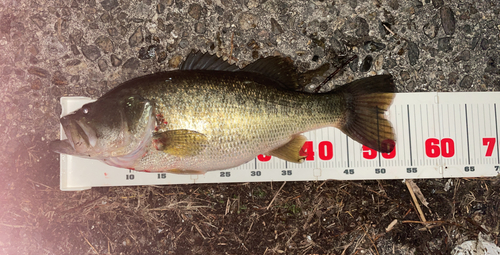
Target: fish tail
(366, 101)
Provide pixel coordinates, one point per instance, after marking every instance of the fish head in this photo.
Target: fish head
(108, 128)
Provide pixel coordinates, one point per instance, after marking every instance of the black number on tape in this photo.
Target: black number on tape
(349, 171)
(225, 174)
(286, 172)
(469, 169)
(130, 176)
(162, 176)
(255, 173)
(380, 170)
(411, 170)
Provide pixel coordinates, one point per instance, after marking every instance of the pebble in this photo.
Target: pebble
(105, 44)
(413, 53)
(109, 5)
(136, 38)
(131, 64)
(389, 64)
(59, 79)
(378, 63)
(73, 62)
(444, 44)
(40, 72)
(115, 60)
(247, 21)
(448, 20)
(38, 20)
(367, 64)
(363, 27)
(195, 11)
(373, 46)
(36, 84)
(160, 8)
(76, 37)
(437, 3)
(200, 28)
(91, 52)
(105, 17)
(463, 56)
(394, 4)
(405, 75)
(276, 27)
(354, 65)
(175, 61)
(466, 82)
(103, 65)
(430, 30)
(162, 56)
(184, 43)
(485, 44)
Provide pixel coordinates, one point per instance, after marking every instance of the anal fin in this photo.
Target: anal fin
(291, 150)
(179, 171)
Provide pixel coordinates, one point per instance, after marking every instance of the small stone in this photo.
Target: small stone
(378, 63)
(363, 27)
(437, 3)
(448, 20)
(389, 64)
(430, 30)
(105, 44)
(58, 79)
(91, 52)
(276, 27)
(38, 20)
(109, 5)
(105, 17)
(75, 50)
(485, 44)
(175, 61)
(463, 56)
(40, 72)
(413, 53)
(112, 31)
(452, 78)
(73, 62)
(255, 54)
(76, 37)
(184, 43)
(131, 64)
(354, 65)
(200, 28)
(252, 44)
(195, 11)
(103, 65)
(136, 38)
(405, 75)
(323, 26)
(167, 2)
(162, 56)
(160, 8)
(7, 70)
(36, 84)
(247, 21)
(466, 82)
(353, 3)
(467, 29)
(367, 64)
(475, 41)
(394, 4)
(373, 46)
(444, 44)
(115, 60)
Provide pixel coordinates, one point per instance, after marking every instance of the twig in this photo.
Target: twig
(275, 195)
(371, 240)
(88, 242)
(334, 73)
(420, 212)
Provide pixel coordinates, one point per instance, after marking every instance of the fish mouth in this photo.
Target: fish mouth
(80, 138)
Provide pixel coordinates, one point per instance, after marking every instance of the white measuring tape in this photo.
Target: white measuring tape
(438, 135)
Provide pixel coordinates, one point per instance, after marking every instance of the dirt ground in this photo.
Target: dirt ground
(50, 49)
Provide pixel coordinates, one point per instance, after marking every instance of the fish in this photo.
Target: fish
(212, 115)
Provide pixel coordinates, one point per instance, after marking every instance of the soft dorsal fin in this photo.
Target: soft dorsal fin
(279, 69)
(205, 61)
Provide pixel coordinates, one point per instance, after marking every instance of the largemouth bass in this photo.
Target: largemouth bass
(211, 115)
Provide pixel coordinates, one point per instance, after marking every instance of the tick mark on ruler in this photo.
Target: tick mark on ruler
(467, 133)
(409, 132)
(496, 129)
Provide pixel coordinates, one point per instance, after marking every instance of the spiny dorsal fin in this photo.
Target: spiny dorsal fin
(277, 68)
(205, 61)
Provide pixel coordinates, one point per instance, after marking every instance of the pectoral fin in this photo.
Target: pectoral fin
(181, 142)
(291, 150)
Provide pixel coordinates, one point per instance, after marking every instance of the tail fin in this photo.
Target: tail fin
(366, 101)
